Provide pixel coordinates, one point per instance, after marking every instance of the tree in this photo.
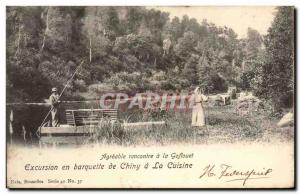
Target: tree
(277, 71)
(98, 26)
(210, 72)
(24, 26)
(186, 45)
(155, 21)
(253, 43)
(173, 29)
(52, 40)
(23, 30)
(190, 70)
(133, 19)
(58, 29)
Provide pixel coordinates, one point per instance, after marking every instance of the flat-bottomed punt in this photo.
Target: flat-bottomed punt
(83, 123)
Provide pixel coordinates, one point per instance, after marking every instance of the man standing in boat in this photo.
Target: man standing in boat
(54, 101)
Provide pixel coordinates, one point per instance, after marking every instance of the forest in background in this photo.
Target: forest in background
(134, 49)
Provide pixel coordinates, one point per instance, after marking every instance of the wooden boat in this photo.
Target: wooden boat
(82, 123)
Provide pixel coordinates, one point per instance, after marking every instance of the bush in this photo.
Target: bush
(80, 85)
(128, 81)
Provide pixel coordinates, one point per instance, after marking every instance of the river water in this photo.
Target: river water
(23, 120)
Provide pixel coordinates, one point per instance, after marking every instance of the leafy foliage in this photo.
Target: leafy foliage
(277, 73)
(126, 46)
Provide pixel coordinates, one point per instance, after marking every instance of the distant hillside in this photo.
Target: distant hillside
(125, 48)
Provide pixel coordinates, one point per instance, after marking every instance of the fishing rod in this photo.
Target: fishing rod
(39, 129)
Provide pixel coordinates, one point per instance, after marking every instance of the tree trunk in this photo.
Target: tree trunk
(46, 30)
(90, 49)
(19, 39)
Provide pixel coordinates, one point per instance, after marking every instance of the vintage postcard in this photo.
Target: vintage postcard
(150, 97)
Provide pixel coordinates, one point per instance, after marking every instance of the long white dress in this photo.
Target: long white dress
(198, 117)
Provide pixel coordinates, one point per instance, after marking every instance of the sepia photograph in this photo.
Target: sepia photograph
(150, 96)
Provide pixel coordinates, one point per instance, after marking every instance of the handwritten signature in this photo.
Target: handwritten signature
(231, 174)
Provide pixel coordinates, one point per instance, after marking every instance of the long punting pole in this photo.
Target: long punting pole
(39, 129)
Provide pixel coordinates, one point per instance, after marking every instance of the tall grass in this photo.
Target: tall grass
(223, 126)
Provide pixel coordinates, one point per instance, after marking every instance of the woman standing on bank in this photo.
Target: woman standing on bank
(198, 117)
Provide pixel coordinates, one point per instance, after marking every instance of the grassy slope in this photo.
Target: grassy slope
(224, 126)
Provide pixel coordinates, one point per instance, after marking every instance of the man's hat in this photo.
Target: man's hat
(54, 90)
